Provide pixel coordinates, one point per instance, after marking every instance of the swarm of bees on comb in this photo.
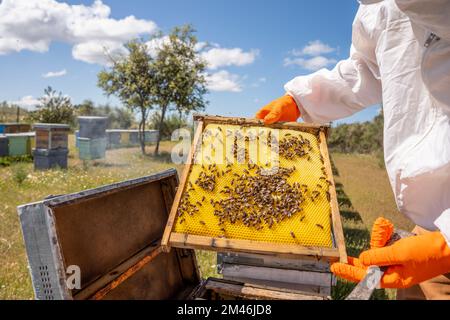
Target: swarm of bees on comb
(256, 197)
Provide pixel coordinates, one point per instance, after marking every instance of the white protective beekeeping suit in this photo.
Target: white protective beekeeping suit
(400, 56)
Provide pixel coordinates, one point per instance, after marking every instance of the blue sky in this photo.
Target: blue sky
(253, 41)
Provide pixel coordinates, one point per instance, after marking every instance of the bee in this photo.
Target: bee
(182, 220)
(319, 186)
(199, 204)
(328, 196)
(302, 218)
(203, 199)
(293, 235)
(320, 226)
(202, 222)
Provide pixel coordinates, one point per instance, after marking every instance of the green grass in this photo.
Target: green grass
(360, 204)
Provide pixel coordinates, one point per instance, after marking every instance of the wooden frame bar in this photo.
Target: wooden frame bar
(336, 253)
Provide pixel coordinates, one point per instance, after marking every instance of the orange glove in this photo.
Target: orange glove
(409, 261)
(283, 109)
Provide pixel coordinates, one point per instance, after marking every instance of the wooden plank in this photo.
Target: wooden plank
(253, 292)
(310, 127)
(308, 278)
(335, 214)
(107, 278)
(181, 240)
(127, 274)
(261, 260)
(187, 168)
(288, 287)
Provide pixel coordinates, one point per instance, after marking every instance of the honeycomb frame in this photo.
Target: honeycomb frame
(320, 235)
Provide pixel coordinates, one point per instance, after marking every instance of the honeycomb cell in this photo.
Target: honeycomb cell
(309, 227)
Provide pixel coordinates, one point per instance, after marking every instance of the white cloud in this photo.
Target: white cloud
(258, 82)
(311, 64)
(98, 52)
(311, 57)
(223, 57)
(314, 48)
(155, 44)
(34, 24)
(27, 102)
(224, 81)
(54, 74)
(200, 46)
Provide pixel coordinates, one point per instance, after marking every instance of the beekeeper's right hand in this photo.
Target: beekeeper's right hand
(283, 109)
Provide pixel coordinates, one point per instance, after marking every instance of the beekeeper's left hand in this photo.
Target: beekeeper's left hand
(410, 260)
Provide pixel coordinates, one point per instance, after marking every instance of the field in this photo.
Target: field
(360, 204)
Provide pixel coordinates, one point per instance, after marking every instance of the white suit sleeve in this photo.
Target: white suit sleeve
(351, 86)
(443, 223)
(432, 15)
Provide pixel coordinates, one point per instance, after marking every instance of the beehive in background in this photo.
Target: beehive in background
(19, 144)
(92, 139)
(92, 127)
(51, 136)
(113, 137)
(118, 138)
(201, 217)
(3, 145)
(92, 149)
(51, 146)
(14, 127)
(47, 159)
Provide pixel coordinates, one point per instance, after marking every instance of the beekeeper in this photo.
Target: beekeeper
(400, 56)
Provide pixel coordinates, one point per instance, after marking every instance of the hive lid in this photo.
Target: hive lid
(51, 126)
(21, 134)
(106, 230)
(92, 118)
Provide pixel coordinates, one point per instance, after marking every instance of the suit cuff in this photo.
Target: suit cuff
(443, 223)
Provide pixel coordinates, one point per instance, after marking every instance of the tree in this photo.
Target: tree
(86, 108)
(170, 124)
(132, 79)
(54, 108)
(180, 74)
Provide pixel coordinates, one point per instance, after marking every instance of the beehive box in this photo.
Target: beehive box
(19, 144)
(311, 228)
(91, 149)
(51, 136)
(113, 137)
(113, 234)
(92, 127)
(14, 127)
(47, 159)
